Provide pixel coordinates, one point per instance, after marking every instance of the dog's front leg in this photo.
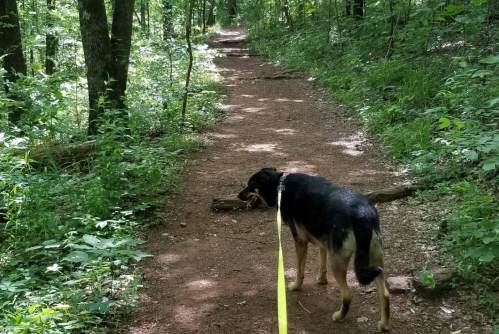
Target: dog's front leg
(301, 255)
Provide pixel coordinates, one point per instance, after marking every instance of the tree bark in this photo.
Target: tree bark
(106, 59)
(121, 41)
(11, 46)
(51, 40)
(211, 14)
(232, 10)
(143, 15)
(99, 57)
(358, 8)
(167, 19)
(188, 14)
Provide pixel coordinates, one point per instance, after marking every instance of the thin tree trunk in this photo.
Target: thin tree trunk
(167, 19)
(204, 16)
(232, 10)
(188, 4)
(11, 47)
(121, 40)
(211, 15)
(143, 15)
(51, 40)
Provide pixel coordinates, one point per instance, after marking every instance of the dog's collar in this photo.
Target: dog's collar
(281, 187)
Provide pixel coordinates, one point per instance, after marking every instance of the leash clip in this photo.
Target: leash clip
(281, 187)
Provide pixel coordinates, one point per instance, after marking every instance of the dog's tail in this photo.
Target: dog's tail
(363, 234)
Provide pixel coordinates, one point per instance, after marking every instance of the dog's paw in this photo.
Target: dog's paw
(338, 316)
(321, 280)
(294, 286)
(383, 327)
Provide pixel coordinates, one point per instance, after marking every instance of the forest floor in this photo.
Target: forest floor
(215, 272)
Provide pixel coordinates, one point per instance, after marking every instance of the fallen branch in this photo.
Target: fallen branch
(299, 302)
(377, 196)
(59, 154)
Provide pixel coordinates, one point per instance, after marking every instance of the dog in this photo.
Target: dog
(339, 221)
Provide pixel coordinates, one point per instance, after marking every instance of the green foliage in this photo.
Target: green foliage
(69, 243)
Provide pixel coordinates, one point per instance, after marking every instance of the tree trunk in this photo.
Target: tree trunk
(167, 19)
(105, 58)
(204, 16)
(51, 40)
(121, 41)
(348, 8)
(10, 45)
(99, 57)
(188, 13)
(143, 15)
(358, 8)
(211, 15)
(232, 10)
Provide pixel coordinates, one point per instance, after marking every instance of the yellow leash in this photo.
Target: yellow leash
(281, 286)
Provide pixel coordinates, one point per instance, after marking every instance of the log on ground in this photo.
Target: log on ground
(377, 196)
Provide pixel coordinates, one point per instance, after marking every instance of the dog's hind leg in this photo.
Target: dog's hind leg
(301, 255)
(322, 279)
(376, 257)
(339, 266)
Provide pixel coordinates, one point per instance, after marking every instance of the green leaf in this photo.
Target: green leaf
(489, 166)
(459, 123)
(77, 256)
(91, 240)
(487, 257)
(481, 73)
(490, 60)
(444, 122)
(472, 155)
(58, 95)
(36, 66)
(488, 240)
(487, 224)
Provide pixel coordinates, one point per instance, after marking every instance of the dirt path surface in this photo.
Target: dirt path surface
(218, 273)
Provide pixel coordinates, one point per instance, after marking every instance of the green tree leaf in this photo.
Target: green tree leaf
(472, 155)
(444, 122)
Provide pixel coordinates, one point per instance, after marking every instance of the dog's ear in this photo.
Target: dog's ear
(264, 176)
(269, 168)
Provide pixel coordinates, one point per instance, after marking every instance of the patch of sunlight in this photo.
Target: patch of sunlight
(144, 328)
(169, 258)
(285, 131)
(259, 148)
(227, 107)
(189, 316)
(299, 167)
(351, 144)
(200, 284)
(288, 100)
(253, 109)
(223, 136)
(247, 95)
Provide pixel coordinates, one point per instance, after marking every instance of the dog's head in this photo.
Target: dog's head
(262, 188)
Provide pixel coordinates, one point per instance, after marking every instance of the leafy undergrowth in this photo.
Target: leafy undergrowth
(436, 112)
(68, 254)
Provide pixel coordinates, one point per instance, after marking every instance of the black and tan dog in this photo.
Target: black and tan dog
(338, 220)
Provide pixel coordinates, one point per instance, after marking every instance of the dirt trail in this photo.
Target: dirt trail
(218, 274)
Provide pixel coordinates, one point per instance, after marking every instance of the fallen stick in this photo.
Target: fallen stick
(376, 196)
(299, 302)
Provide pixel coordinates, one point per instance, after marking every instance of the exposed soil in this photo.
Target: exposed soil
(218, 273)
